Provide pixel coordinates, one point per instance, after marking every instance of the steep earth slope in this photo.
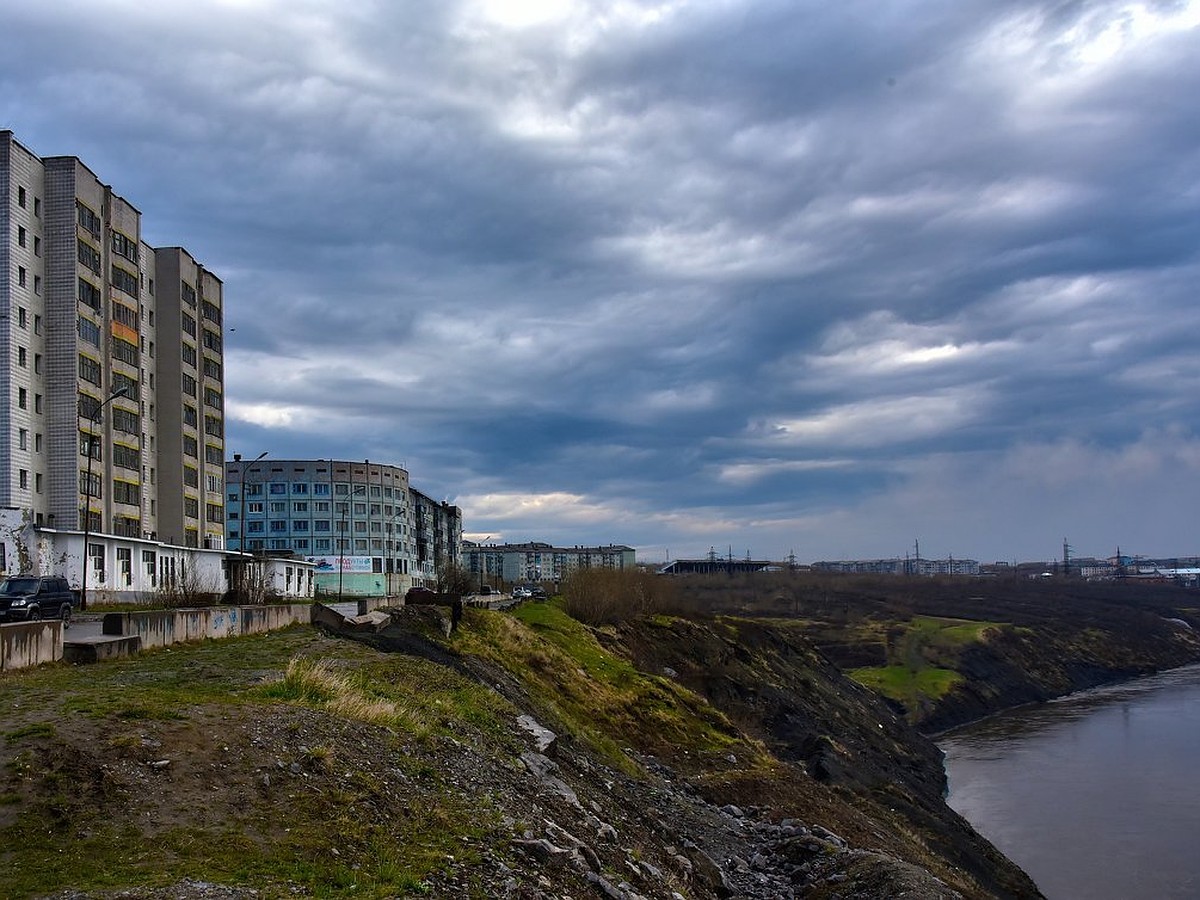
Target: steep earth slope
(523, 756)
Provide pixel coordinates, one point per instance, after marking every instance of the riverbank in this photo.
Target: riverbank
(949, 651)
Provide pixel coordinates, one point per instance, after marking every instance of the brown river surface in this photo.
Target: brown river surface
(1096, 795)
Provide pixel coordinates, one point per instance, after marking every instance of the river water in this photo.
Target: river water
(1096, 795)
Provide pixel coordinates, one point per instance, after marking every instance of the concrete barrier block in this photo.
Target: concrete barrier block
(96, 649)
(24, 644)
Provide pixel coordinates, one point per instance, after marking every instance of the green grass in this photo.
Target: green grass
(64, 823)
(598, 697)
(922, 656)
(905, 685)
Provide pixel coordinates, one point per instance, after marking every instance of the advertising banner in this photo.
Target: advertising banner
(346, 563)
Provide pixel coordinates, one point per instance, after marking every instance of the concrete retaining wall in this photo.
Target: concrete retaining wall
(157, 628)
(25, 644)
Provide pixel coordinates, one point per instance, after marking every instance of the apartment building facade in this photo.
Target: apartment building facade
(111, 365)
(368, 532)
(539, 562)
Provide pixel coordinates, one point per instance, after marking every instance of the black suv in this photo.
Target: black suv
(25, 598)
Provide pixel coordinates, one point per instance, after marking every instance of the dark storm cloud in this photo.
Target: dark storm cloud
(786, 276)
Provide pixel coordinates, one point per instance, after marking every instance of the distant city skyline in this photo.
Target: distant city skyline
(781, 276)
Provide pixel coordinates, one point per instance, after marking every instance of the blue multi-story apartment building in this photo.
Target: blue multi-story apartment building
(366, 529)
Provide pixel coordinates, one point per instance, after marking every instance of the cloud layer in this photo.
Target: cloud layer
(772, 276)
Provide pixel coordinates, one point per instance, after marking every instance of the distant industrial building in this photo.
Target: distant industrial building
(710, 565)
(537, 562)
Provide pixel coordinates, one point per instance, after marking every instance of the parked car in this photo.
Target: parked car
(522, 593)
(26, 598)
(538, 593)
(486, 590)
(420, 594)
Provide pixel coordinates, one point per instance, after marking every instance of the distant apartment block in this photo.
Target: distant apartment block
(536, 562)
(900, 566)
(111, 363)
(363, 525)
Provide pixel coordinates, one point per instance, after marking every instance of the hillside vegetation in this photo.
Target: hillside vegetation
(950, 650)
(689, 757)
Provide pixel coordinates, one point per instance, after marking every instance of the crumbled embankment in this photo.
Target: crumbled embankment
(301, 764)
(951, 650)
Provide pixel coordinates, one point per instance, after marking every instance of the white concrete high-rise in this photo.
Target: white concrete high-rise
(109, 349)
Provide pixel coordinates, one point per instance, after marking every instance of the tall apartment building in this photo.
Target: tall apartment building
(110, 361)
(367, 531)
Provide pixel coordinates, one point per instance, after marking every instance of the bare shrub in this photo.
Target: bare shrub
(608, 596)
(189, 589)
(454, 578)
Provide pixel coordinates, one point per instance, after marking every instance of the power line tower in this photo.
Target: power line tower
(1066, 559)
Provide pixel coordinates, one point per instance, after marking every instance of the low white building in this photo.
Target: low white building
(136, 570)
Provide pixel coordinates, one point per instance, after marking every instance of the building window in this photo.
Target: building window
(22, 398)
(126, 421)
(21, 197)
(22, 439)
(20, 236)
(89, 331)
(125, 492)
(20, 276)
(88, 256)
(125, 281)
(89, 370)
(88, 219)
(125, 351)
(21, 357)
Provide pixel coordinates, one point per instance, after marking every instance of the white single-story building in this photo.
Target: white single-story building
(139, 570)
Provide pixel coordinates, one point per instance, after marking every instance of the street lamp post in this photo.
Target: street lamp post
(94, 418)
(237, 457)
(482, 561)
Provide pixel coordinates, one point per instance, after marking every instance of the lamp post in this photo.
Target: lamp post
(355, 490)
(237, 457)
(482, 561)
(94, 418)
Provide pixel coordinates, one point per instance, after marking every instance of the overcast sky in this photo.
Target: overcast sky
(772, 276)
